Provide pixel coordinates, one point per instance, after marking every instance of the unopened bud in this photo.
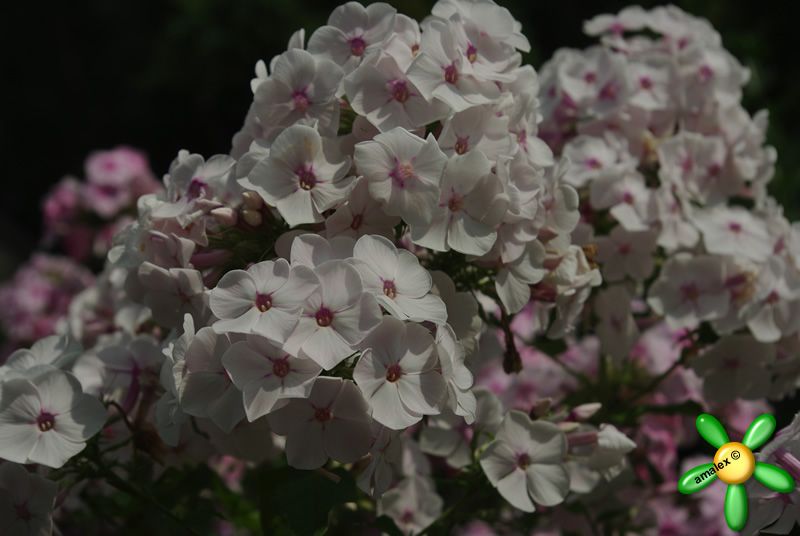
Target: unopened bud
(584, 411)
(225, 216)
(582, 439)
(568, 426)
(252, 217)
(252, 201)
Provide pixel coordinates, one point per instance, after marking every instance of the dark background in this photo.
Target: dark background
(162, 75)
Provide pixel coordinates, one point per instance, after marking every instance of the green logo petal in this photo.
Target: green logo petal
(697, 478)
(711, 430)
(736, 506)
(759, 431)
(774, 477)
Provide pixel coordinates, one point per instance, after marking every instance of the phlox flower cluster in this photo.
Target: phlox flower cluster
(473, 291)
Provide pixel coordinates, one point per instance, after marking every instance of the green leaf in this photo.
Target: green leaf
(711, 430)
(774, 477)
(692, 481)
(294, 502)
(736, 506)
(759, 431)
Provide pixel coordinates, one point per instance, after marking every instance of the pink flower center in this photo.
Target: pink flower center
(197, 188)
(393, 373)
(306, 177)
(357, 46)
(322, 414)
(401, 173)
(523, 460)
(627, 198)
(472, 53)
(593, 163)
(773, 298)
(407, 517)
(451, 74)
(324, 317)
(690, 292)
(590, 77)
(462, 145)
(280, 367)
(399, 90)
(624, 249)
(645, 82)
(731, 363)
(300, 100)
(358, 219)
(389, 289)
(263, 302)
(455, 203)
(22, 511)
(522, 137)
(46, 421)
(609, 92)
(735, 227)
(705, 73)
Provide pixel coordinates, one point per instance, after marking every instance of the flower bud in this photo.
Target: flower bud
(252, 217)
(252, 201)
(225, 216)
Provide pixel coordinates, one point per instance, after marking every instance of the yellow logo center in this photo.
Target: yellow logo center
(734, 463)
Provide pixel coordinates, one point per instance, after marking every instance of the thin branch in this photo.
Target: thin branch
(122, 414)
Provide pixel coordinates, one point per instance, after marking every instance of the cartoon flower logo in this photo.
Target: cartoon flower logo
(734, 464)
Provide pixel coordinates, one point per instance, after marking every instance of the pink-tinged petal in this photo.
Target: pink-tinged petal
(276, 324)
(347, 440)
(470, 236)
(355, 323)
(412, 280)
(53, 450)
(58, 391)
(242, 324)
(284, 420)
(369, 373)
(513, 293)
(514, 489)
(305, 446)
(422, 393)
(269, 276)
(341, 285)
(245, 365)
(388, 409)
(18, 430)
(379, 253)
(426, 308)
(199, 389)
(227, 410)
(302, 283)
(258, 401)
(298, 208)
(349, 404)
(85, 420)
(548, 484)
(326, 347)
(234, 295)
